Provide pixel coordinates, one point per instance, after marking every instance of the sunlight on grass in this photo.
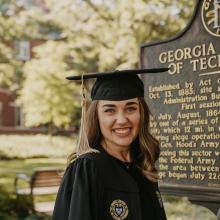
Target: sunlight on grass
(45, 161)
(24, 153)
(8, 173)
(5, 181)
(35, 146)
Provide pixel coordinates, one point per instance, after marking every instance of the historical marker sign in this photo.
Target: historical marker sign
(186, 104)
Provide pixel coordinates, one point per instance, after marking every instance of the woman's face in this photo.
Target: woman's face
(119, 122)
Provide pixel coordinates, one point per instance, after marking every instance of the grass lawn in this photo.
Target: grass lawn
(23, 153)
(9, 168)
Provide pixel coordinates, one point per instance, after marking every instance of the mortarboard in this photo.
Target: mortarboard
(117, 85)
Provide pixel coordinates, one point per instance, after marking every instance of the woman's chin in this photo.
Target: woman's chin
(123, 143)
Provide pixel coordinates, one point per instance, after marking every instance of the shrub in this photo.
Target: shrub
(35, 146)
(17, 208)
(11, 207)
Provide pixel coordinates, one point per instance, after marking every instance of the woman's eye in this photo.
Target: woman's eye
(131, 109)
(109, 110)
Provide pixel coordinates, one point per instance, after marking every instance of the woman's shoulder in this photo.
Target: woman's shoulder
(81, 167)
(90, 156)
(86, 159)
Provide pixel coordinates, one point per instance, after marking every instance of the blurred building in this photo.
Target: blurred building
(11, 117)
(7, 108)
(10, 113)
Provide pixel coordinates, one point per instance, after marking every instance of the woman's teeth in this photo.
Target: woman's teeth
(122, 130)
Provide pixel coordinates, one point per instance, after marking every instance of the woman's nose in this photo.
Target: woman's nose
(122, 118)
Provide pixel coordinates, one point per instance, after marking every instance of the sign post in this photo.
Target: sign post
(186, 105)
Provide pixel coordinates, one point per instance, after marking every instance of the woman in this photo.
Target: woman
(114, 174)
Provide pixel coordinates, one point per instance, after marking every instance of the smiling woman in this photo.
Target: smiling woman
(113, 174)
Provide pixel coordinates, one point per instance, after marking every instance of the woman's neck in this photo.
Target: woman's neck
(121, 153)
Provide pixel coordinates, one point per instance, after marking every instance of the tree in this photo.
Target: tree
(111, 33)
(10, 69)
(94, 36)
(47, 97)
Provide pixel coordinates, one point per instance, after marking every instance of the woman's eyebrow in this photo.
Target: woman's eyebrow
(108, 105)
(132, 103)
(112, 105)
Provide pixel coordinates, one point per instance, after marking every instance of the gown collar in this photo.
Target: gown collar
(123, 164)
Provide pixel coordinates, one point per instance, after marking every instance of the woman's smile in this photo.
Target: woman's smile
(122, 132)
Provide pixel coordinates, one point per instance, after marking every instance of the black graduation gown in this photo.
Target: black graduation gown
(97, 186)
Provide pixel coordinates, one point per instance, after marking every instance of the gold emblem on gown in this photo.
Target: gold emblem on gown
(119, 209)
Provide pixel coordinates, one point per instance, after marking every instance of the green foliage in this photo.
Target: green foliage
(37, 146)
(94, 36)
(47, 97)
(7, 174)
(112, 33)
(38, 217)
(10, 69)
(17, 208)
(27, 147)
(8, 27)
(182, 209)
(12, 208)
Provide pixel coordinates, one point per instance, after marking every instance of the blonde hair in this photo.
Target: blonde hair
(147, 151)
(148, 145)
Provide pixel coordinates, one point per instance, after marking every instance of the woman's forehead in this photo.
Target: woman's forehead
(118, 103)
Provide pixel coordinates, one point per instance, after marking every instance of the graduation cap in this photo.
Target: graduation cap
(117, 85)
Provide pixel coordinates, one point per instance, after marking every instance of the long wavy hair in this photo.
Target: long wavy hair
(145, 149)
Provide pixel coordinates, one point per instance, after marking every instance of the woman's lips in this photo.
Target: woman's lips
(122, 131)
